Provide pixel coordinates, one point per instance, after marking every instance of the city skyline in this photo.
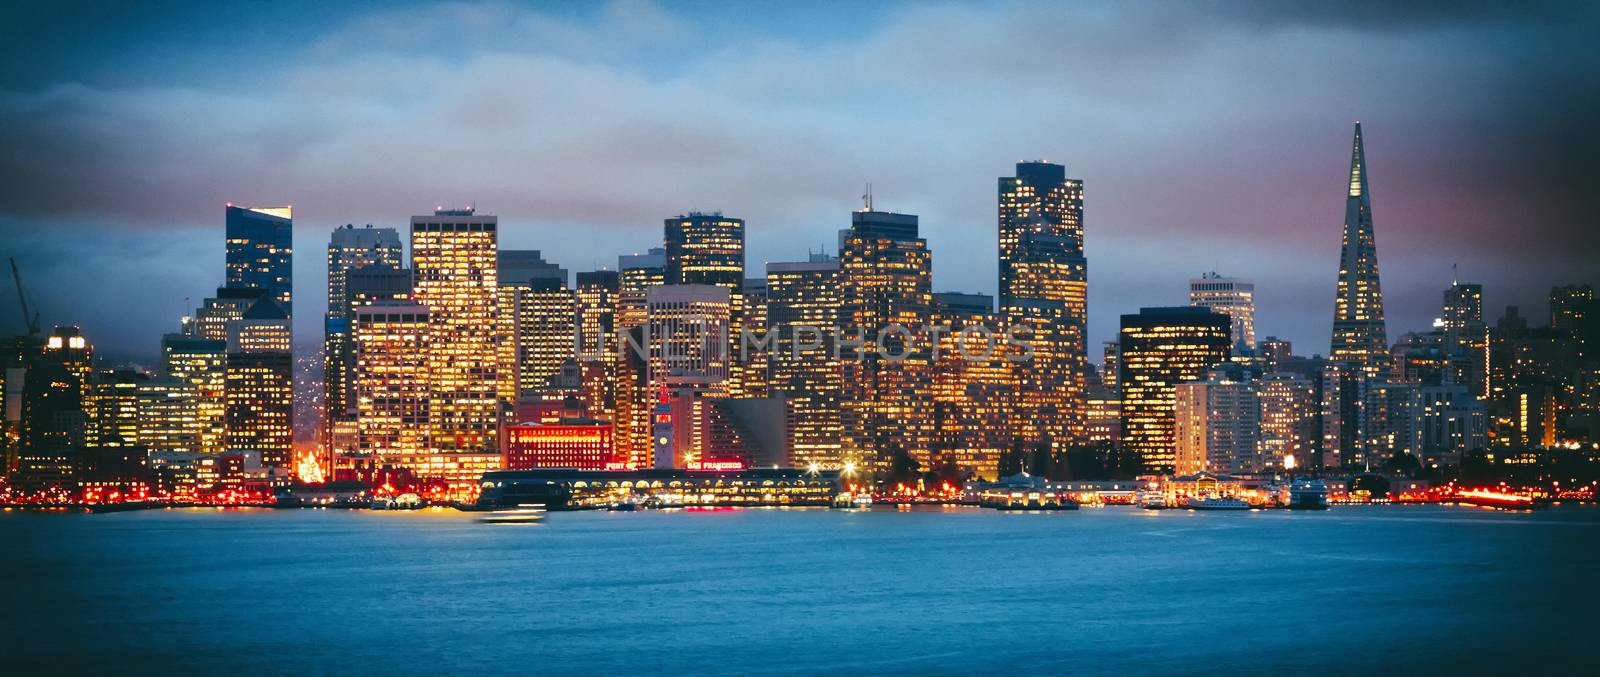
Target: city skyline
(1440, 137)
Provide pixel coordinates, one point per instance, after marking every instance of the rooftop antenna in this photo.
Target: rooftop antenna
(1455, 276)
(867, 198)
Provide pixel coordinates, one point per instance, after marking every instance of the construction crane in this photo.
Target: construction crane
(29, 319)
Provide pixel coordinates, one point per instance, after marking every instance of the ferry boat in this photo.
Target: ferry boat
(1215, 503)
(1152, 500)
(401, 502)
(1002, 499)
(849, 501)
(522, 514)
(1308, 494)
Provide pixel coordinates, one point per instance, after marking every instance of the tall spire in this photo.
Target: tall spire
(1359, 340)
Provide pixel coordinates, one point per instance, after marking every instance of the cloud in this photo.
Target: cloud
(1208, 135)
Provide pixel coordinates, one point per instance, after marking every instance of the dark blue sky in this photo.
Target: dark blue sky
(1208, 134)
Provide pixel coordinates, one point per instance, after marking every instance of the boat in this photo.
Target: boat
(1152, 500)
(1308, 494)
(1215, 503)
(401, 502)
(1003, 499)
(522, 514)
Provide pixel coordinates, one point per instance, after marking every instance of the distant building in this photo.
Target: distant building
(1447, 422)
(1217, 423)
(803, 307)
(454, 262)
(1044, 295)
(577, 443)
(886, 279)
(1161, 348)
(1231, 296)
(259, 385)
(1359, 336)
(1289, 430)
(260, 252)
(392, 390)
(705, 248)
(350, 249)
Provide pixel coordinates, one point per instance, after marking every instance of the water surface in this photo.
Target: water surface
(940, 591)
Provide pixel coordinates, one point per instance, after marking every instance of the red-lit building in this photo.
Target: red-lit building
(580, 443)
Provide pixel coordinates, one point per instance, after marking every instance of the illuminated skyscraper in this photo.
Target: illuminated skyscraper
(751, 360)
(55, 416)
(211, 319)
(1289, 429)
(260, 253)
(114, 407)
(803, 305)
(972, 383)
(688, 334)
(705, 249)
(391, 380)
(1161, 348)
(1569, 306)
(636, 274)
(537, 312)
(453, 255)
(595, 321)
(886, 275)
(349, 249)
(1217, 422)
(203, 364)
(169, 416)
(1230, 296)
(1360, 340)
(259, 385)
(1044, 297)
(1466, 337)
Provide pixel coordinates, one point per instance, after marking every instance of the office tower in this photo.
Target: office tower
(168, 416)
(1385, 420)
(1275, 351)
(392, 394)
(1102, 416)
(212, 317)
(1340, 408)
(886, 275)
(1359, 338)
(362, 287)
(1216, 426)
(1110, 366)
(203, 364)
(750, 354)
(1161, 348)
(1466, 337)
(1569, 305)
(803, 306)
(260, 252)
(687, 336)
(537, 311)
(258, 385)
(688, 330)
(1446, 422)
(595, 321)
(1231, 296)
(54, 416)
(705, 249)
(1289, 428)
(350, 249)
(972, 382)
(453, 260)
(636, 274)
(1044, 298)
(113, 406)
